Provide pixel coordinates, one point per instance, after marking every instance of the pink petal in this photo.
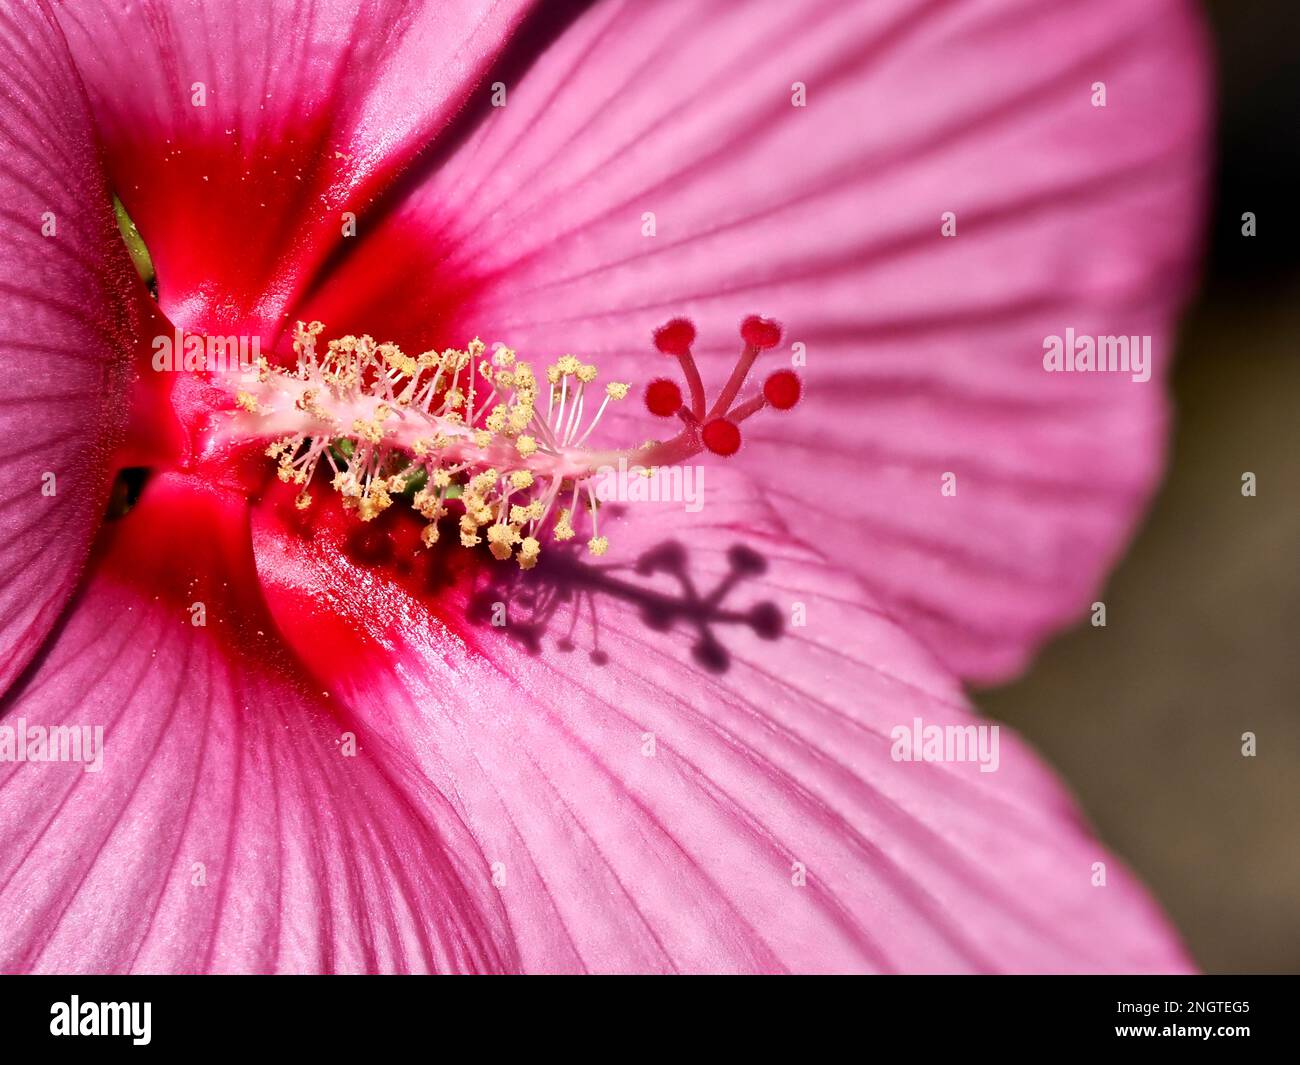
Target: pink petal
(308, 110)
(924, 354)
(772, 747)
(220, 762)
(65, 329)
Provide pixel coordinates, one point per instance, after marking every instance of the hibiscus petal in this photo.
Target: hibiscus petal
(769, 744)
(238, 133)
(228, 829)
(64, 328)
(924, 353)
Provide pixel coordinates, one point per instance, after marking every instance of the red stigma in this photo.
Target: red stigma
(676, 337)
(760, 333)
(721, 436)
(717, 422)
(782, 389)
(663, 397)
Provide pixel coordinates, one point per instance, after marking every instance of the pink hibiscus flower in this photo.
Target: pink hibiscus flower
(322, 752)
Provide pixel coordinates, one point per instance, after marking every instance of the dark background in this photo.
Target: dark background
(1144, 717)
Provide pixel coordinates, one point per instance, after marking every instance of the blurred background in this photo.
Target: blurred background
(1144, 717)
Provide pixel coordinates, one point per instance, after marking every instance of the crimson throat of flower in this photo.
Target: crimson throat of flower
(466, 431)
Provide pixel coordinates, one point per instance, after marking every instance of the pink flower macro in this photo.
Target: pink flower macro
(675, 756)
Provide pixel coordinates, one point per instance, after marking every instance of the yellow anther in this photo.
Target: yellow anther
(304, 336)
(373, 503)
(370, 430)
(309, 402)
(529, 549)
(392, 355)
(563, 529)
(428, 504)
(502, 534)
(598, 545)
(616, 390)
(519, 419)
(501, 539)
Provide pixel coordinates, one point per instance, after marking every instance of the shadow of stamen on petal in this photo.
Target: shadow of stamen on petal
(660, 584)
